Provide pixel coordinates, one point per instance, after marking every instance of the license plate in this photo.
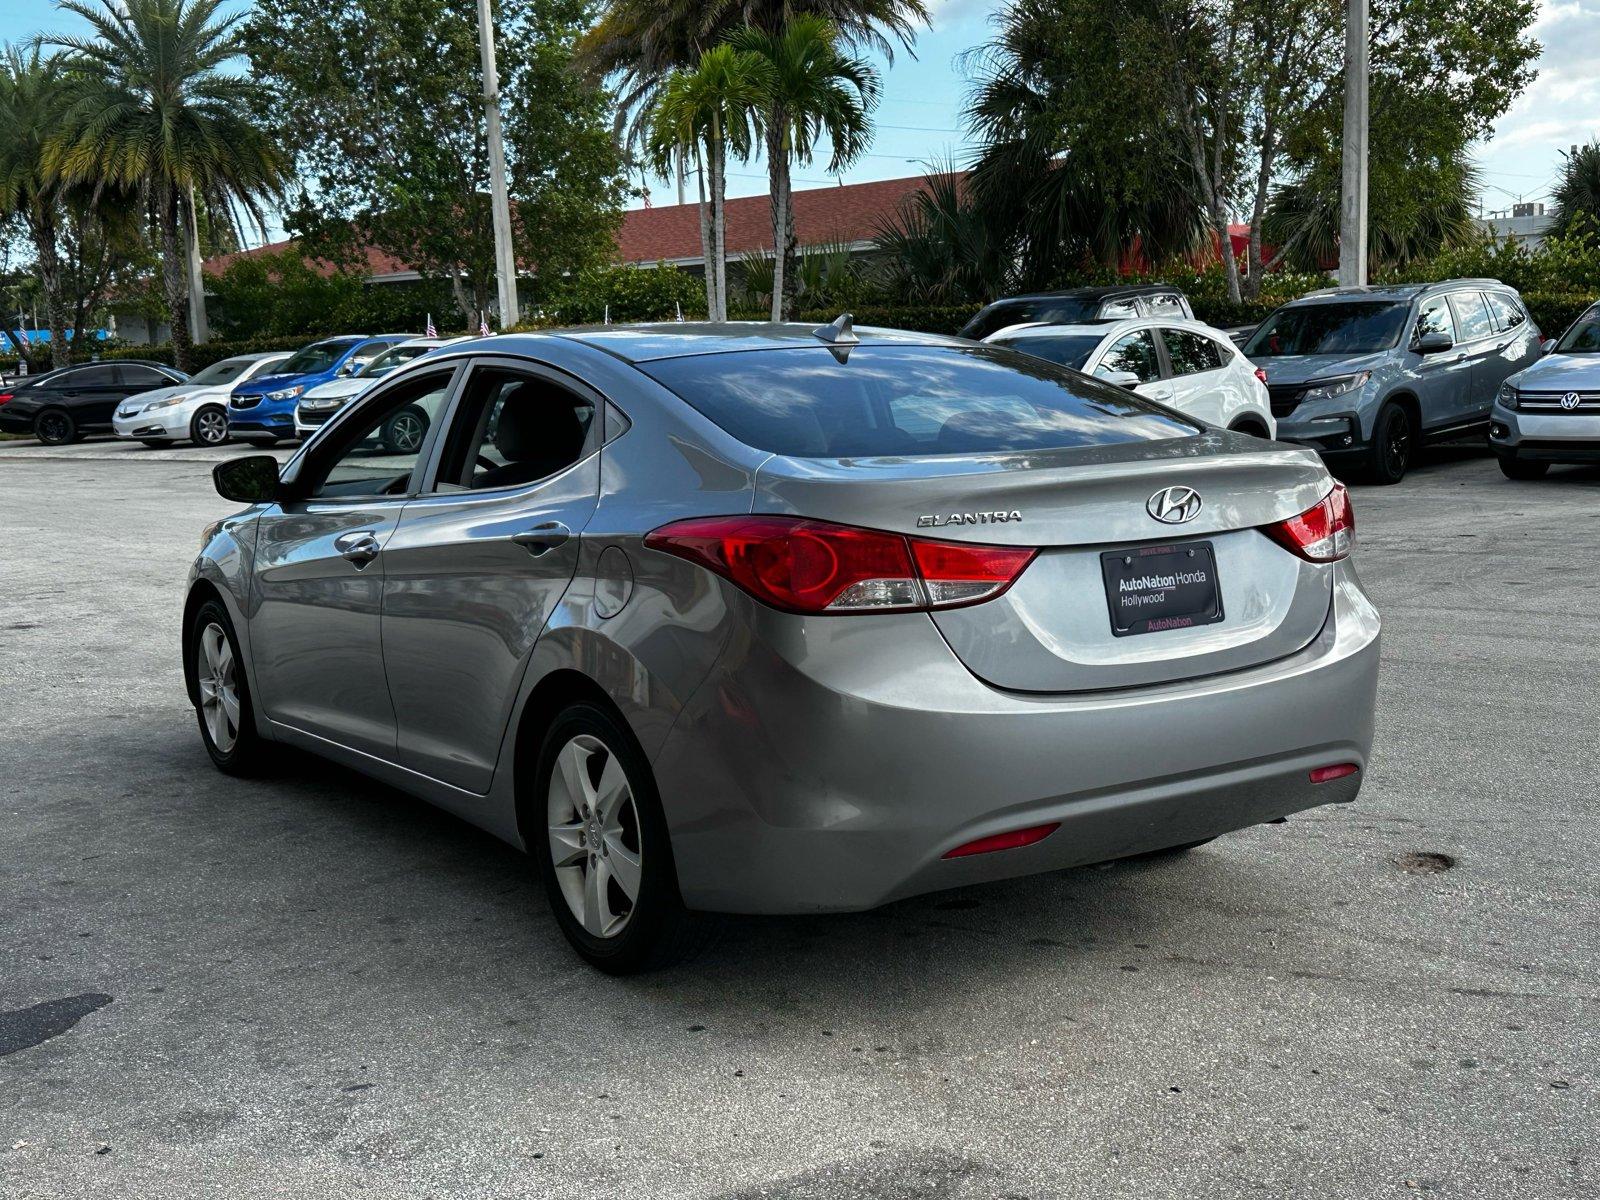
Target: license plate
(1151, 588)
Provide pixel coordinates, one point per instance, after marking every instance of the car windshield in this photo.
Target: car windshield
(314, 359)
(1583, 337)
(1343, 327)
(908, 400)
(1063, 310)
(1068, 349)
(225, 371)
(390, 359)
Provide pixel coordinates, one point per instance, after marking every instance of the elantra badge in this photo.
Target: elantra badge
(1174, 505)
(940, 520)
(1571, 401)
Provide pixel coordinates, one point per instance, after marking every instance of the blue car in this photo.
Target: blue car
(264, 407)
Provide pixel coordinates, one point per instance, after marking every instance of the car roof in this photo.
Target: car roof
(1102, 329)
(675, 339)
(1395, 291)
(1104, 292)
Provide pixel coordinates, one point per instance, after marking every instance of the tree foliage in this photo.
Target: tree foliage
(386, 126)
(1577, 192)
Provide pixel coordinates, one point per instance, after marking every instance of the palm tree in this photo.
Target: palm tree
(939, 246)
(712, 108)
(31, 101)
(1577, 193)
(813, 90)
(152, 107)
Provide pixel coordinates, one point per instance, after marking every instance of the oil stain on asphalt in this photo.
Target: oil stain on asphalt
(21, 1028)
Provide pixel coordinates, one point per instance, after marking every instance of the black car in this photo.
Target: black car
(1078, 305)
(61, 406)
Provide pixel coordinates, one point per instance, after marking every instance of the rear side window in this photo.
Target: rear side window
(1507, 312)
(923, 400)
(1165, 306)
(1472, 315)
(1191, 353)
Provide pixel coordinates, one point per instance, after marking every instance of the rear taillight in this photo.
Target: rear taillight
(807, 566)
(1261, 374)
(4, 396)
(1325, 532)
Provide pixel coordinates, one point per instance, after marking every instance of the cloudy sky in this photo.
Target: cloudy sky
(919, 120)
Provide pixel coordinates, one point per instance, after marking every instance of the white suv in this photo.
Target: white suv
(1183, 364)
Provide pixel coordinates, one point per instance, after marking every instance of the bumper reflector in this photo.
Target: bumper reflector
(1338, 771)
(1010, 840)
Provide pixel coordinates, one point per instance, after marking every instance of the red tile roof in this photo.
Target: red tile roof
(671, 232)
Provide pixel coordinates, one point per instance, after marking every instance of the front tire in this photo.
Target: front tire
(1521, 469)
(221, 690)
(55, 427)
(209, 426)
(403, 432)
(603, 847)
(1393, 443)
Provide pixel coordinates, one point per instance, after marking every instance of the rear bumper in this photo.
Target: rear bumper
(807, 775)
(1545, 436)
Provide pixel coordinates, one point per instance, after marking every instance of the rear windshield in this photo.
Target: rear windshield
(1344, 327)
(1068, 349)
(919, 400)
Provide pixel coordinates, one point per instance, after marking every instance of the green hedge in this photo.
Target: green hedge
(1554, 311)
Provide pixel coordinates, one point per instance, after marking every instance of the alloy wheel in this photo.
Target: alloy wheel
(211, 427)
(405, 433)
(53, 428)
(594, 836)
(1397, 446)
(216, 677)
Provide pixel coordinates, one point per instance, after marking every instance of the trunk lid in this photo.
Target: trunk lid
(1052, 630)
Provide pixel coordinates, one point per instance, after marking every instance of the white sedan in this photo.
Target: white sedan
(322, 401)
(196, 409)
(1182, 364)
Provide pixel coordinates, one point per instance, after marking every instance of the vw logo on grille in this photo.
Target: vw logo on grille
(1571, 401)
(1174, 505)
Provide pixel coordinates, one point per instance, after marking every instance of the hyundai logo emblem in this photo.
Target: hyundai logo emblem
(1174, 505)
(1571, 401)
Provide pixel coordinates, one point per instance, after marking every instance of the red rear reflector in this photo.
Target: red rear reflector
(808, 566)
(1338, 771)
(1325, 532)
(1009, 840)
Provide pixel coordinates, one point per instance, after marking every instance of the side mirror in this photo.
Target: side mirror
(1548, 346)
(1434, 343)
(1122, 379)
(249, 480)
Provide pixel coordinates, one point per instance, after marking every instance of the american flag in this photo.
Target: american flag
(483, 324)
(430, 331)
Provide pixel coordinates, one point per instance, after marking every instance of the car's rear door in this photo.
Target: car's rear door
(1480, 343)
(1196, 363)
(315, 632)
(91, 393)
(482, 558)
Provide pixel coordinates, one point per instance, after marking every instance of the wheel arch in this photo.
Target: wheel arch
(1406, 399)
(560, 688)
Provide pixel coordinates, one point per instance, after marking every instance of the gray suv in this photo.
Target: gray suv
(1365, 375)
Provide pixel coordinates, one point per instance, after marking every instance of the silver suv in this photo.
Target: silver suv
(1365, 375)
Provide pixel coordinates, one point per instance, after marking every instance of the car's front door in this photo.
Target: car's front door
(318, 579)
(1134, 353)
(1443, 379)
(481, 560)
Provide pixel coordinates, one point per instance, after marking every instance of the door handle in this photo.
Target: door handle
(542, 537)
(360, 547)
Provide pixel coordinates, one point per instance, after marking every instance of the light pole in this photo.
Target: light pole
(505, 259)
(1353, 200)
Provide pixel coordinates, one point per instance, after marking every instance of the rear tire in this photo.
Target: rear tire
(55, 427)
(404, 432)
(1521, 469)
(1393, 444)
(597, 830)
(209, 426)
(217, 679)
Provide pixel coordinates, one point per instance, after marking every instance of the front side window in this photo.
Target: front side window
(314, 359)
(1435, 317)
(920, 400)
(1191, 353)
(1120, 310)
(366, 355)
(378, 455)
(1472, 315)
(144, 377)
(1134, 353)
(1336, 327)
(513, 428)
(395, 356)
(1164, 305)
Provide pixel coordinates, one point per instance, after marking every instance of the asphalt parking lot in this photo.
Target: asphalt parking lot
(312, 986)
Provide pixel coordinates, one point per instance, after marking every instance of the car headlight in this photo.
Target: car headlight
(288, 393)
(1339, 385)
(167, 403)
(1507, 396)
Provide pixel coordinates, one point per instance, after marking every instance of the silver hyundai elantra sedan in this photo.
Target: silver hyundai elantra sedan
(765, 618)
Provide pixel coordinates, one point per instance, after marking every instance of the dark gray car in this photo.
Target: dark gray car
(1366, 375)
(758, 618)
